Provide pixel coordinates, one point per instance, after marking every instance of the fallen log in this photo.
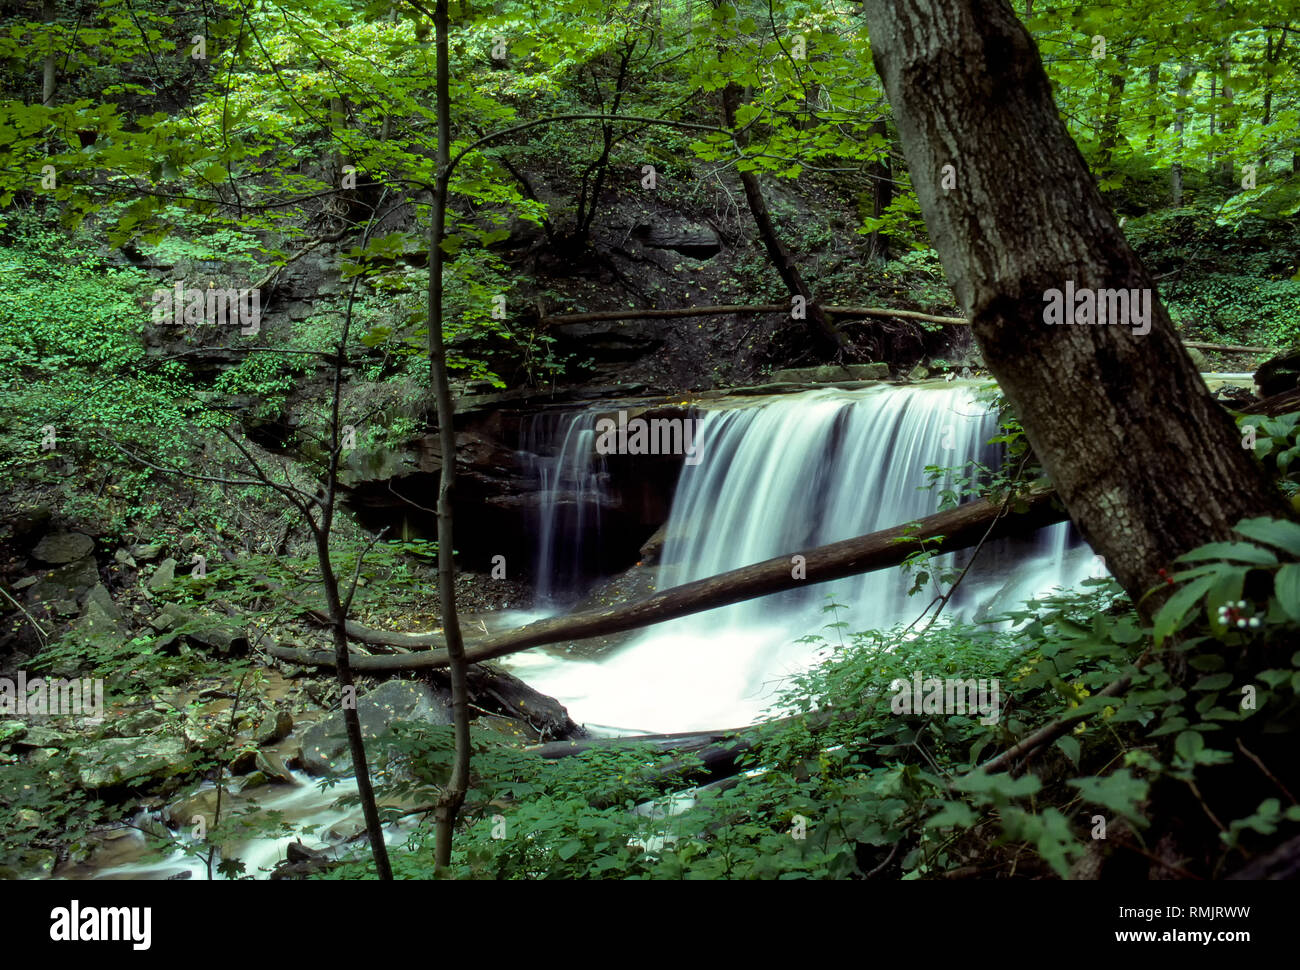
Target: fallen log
(1229, 348)
(942, 532)
(876, 311)
(684, 742)
(703, 757)
(550, 718)
(674, 313)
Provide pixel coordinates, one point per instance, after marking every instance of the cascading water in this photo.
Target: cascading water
(793, 473)
(570, 490)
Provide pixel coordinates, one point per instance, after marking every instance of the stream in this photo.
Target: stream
(778, 474)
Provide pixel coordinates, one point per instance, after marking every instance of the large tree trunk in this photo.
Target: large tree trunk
(1147, 463)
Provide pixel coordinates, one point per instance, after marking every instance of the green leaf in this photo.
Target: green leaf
(1213, 682)
(957, 814)
(1235, 551)
(998, 785)
(1188, 745)
(1070, 746)
(1206, 662)
(1056, 843)
(1287, 588)
(1119, 792)
(1227, 589)
(1281, 533)
(1171, 615)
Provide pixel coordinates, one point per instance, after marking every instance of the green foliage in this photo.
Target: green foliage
(72, 362)
(918, 277)
(1218, 574)
(1276, 444)
(854, 785)
(42, 812)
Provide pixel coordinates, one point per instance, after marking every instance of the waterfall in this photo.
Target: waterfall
(570, 486)
(792, 473)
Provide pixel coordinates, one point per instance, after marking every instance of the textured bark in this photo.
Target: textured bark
(453, 796)
(351, 720)
(947, 531)
(1147, 463)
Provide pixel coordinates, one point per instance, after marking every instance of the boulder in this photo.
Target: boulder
(853, 372)
(653, 547)
(273, 768)
(103, 764)
(1279, 374)
(163, 575)
(12, 731)
(274, 726)
(131, 725)
(612, 341)
(58, 548)
(98, 596)
(181, 813)
(242, 763)
(67, 586)
(693, 239)
(39, 736)
(100, 615)
(200, 629)
(29, 864)
(325, 743)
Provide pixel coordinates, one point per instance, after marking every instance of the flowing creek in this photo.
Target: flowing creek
(777, 474)
(785, 474)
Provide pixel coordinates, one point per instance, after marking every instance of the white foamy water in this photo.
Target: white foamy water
(796, 472)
